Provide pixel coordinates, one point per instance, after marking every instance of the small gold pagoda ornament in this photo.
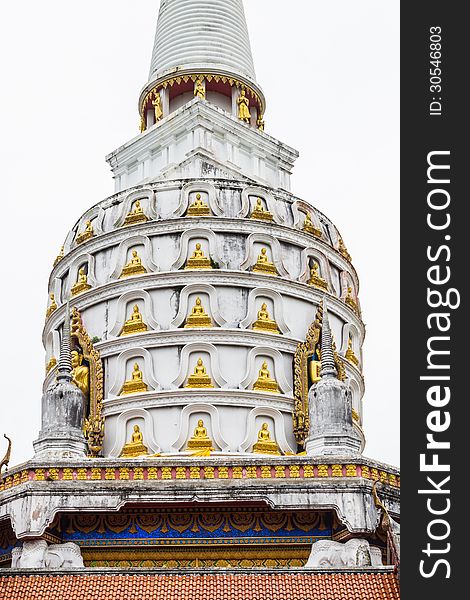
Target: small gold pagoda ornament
(263, 265)
(59, 257)
(198, 316)
(86, 234)
(200, 439)
(157, 105)
(264, 321)
(199, 208)
(200, 378)
(136, 384)
(134, 266)
(349, 300)
(265, 383)
(199, 89)
(260, 213)
(350, 353)
(52, 306)
(81, 284)
(134, 324)
(51, 364)
(244, 107)
(136, 215)
(343, 250)
(315, 278)
(135, 447)
(265, 445)
(309, 227)
(198, 260)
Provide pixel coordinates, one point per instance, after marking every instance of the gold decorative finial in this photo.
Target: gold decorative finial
(198, 208)
(52, 306)
(134, 266)
(6, 459)
(200, 378)
(198, 260)
(264, 321)
(157, 105)
(309, 227)
(343, 250)
(81, 284)
(199, 89)
(134, 323)
(136, 384)
(198, 316)
(350, 353)
(315, 278)
(263, 264)
(244, 107)
(200, 439)
(265, 445)
(265, 383)
(86, 234)
(136, 215)
(135, 447)
(260, 213)
(59, 257)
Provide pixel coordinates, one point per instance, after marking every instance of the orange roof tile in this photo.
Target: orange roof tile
(295, 586)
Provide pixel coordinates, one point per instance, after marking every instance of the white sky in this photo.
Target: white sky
(71, 75)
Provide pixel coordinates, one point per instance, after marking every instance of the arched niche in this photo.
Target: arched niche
(249, 197)
(88, 262)
(212, 426)
(307, 257)
(351, 330)
(255, 358)
(190, 238)
(52, 345)
(96, 216)
(124, 366)
(135, 416)
(254, 243)
(143, 299)
(189, 355)
(123, 254)
(185, 305)
(346, 283)
(255, 299)
(253, 425)
(300, 209)
(147, 199)
(208, 193)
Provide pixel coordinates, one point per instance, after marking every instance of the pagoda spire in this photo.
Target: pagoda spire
(328, 366)
(64, 371)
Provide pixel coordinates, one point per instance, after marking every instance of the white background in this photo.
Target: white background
(71, 73)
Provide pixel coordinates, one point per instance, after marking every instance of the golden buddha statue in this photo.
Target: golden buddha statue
(51, 364)
(260, 213)
(136, 384)
(314, 366)
(157, 105)
(315, 278)
(263, 265)
(136, 446)
(80, 373)
(82, 284)
(134, 324)
(52, 306)
(343, 250)
(134, 266)
(265, 445)
(59, 257)
(200, 378)
(264, 321)
(200, 439)
(309, 227)
(350, 353)
(260, 122)
(265, 383)
(86, 234)
(198, 316)
(198, 208)
(244, 107)
(199, 89)
(198, 260)
(136, 215)
(349, 300)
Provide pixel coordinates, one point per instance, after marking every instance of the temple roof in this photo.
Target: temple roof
(266, 586)
(201, 34)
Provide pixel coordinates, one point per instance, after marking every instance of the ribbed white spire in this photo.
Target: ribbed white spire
(202, 33)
